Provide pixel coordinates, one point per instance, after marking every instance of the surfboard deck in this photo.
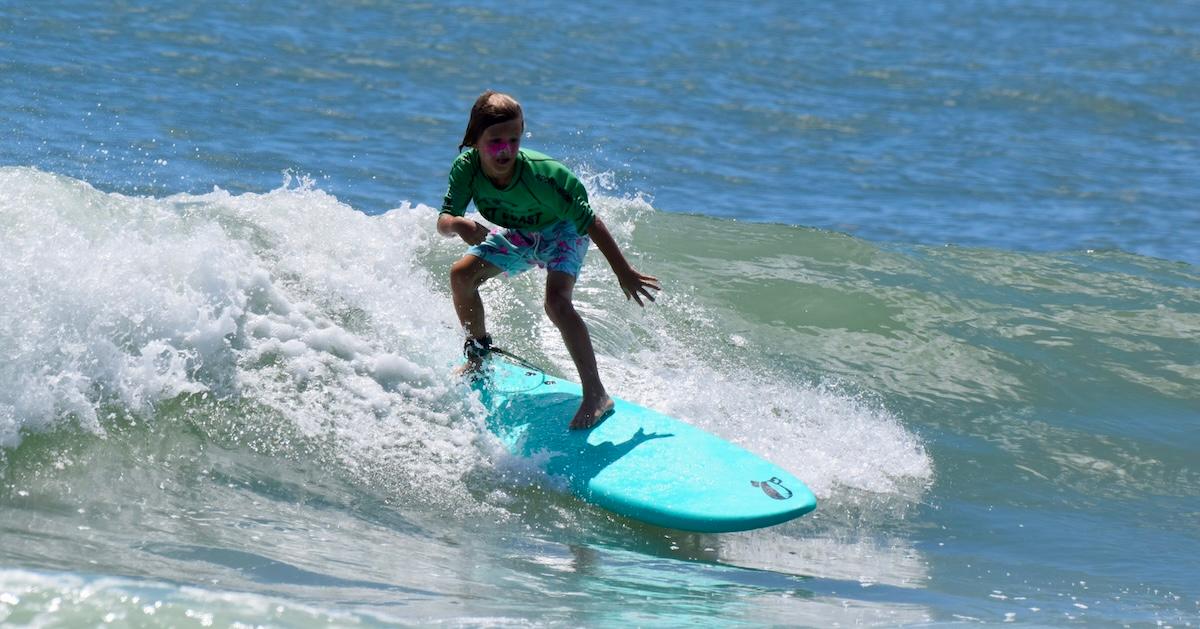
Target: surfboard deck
(638, 462)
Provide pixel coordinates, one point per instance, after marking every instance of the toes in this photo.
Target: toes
(582, 422)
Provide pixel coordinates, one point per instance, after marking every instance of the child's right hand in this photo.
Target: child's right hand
(471, 232)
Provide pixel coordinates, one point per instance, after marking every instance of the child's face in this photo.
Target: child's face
(498, 145)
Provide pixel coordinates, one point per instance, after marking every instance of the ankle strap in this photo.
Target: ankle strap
(478, 348)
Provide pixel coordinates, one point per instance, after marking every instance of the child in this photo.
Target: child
(548, 223)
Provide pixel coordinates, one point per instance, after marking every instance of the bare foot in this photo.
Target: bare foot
(592, 412)
(469, 369)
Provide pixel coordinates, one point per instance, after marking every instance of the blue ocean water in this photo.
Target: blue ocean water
(937, 259)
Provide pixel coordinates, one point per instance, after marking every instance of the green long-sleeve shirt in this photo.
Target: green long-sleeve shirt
(542, 192)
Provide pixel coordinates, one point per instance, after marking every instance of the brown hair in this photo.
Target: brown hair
(490, 108)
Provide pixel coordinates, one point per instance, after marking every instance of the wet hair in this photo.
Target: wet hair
(490, 108)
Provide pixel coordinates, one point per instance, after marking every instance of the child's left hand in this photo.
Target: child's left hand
(636, 284)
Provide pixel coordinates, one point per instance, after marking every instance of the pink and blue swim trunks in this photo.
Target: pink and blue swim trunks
(558, 247)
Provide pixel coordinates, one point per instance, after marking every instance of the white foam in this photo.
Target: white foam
(341, 324)
(56, 599)
(289, 299)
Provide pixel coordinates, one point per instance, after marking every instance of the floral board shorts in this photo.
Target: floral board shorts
(556, 248)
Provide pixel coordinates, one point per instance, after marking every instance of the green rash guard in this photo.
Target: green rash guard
(542, 192)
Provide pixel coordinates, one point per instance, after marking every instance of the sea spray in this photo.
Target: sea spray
(288, 300)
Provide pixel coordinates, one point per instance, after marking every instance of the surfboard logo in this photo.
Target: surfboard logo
(773, 487)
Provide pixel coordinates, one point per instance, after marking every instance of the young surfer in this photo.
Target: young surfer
(547, 222)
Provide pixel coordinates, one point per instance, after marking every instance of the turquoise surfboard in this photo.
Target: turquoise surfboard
(638, 462)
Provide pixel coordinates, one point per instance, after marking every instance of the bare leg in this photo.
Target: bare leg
(559, 307)
(466, 276)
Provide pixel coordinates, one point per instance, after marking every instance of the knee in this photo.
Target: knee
(559, 307)
(463, 276)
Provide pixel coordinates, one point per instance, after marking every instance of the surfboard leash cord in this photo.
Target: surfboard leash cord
(479, 348)
(516, 359)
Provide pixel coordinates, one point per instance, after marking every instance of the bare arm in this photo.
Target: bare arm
(471, 232)
(635, 285)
